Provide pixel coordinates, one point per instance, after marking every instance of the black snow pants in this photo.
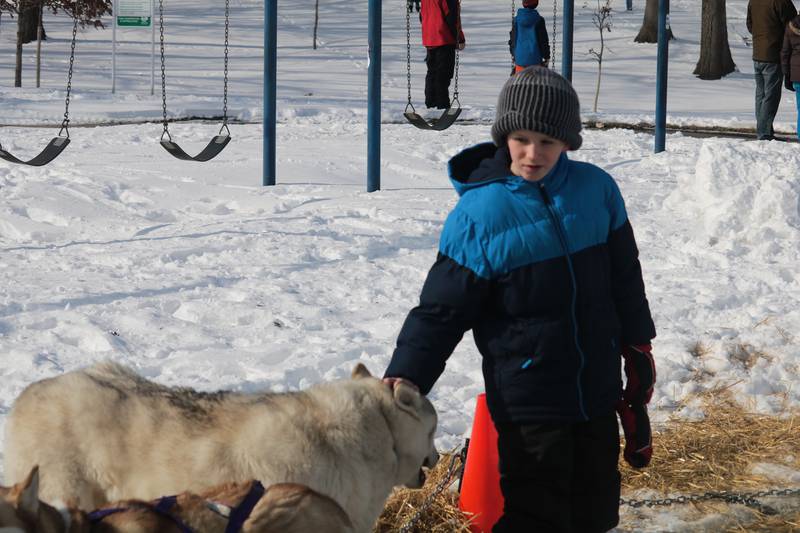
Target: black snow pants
(559, 477)
(441, 62)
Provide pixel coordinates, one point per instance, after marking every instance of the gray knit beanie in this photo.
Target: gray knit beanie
(541, 100)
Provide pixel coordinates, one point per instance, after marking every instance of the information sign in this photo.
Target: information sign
(134, 12)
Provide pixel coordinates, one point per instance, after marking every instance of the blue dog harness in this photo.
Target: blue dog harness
(162, 506)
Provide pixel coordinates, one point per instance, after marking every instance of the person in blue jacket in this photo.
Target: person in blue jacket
(529, 43)
(539, 260)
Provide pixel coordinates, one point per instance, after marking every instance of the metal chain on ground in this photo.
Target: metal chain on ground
(225, 79)
(65, 122)
(749, 499)
(163, 71)
(553, 40)
(438, 490)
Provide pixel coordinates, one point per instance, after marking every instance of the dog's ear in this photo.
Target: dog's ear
(28, 497)
(360, 371)
(407, 398)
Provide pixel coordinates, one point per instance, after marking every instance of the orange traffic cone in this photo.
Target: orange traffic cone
(480, 485)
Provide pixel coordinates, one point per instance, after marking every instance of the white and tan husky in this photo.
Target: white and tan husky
(105, 433)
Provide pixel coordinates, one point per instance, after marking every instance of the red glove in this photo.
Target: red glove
(640, 373)
(638, 439)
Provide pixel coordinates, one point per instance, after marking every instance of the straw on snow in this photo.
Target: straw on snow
(689, 457)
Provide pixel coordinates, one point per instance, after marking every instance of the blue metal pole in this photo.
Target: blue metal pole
(661, 76)
(374, 98)
(566, 44)
(270, 90)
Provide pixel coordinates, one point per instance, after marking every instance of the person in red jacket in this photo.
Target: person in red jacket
(441, 35)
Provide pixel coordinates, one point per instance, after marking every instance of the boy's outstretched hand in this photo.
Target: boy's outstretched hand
(392, 382)
(640, 373)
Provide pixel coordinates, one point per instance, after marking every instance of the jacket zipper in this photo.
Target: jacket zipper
(562, 237)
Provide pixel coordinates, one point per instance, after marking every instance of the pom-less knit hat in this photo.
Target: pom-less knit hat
(530, 3)
(540, 100)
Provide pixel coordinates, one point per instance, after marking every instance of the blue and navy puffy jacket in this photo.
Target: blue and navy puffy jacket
(529, 43)
(546, 275)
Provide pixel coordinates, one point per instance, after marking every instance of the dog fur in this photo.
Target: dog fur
(104, 433)
(283, 508)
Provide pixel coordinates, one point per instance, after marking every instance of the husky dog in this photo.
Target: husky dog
(22, 512)
(105, 433)
(245, 507)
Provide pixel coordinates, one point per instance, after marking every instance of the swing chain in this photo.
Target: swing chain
(408, 58)
(163, 71)
(65, 122)
(225, 82)
(513, 16)
(555, 29)
(458, 33)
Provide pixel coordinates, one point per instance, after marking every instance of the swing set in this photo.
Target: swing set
(449, 115)
(60, 142)
(373, 91)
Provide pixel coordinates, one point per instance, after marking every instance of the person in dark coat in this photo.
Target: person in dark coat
(441, 35)
(539, 260)
(766, 21)
(529, 43)
(790, 62)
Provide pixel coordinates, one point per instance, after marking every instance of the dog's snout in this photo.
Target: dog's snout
(431, 460)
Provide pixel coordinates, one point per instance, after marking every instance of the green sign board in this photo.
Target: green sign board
(133, 21)
(134, 12)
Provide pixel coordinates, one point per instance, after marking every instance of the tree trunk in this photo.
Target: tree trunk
(649, 30)
(29, 20)
(18, 67)
(316, 22)
(715, 52)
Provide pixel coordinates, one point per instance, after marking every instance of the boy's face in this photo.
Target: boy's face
(533, 154)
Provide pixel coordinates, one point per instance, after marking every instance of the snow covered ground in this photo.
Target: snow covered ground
(196, 275)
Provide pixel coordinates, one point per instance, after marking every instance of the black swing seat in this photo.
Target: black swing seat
(443, 122)
(50, 152)
(212, 150)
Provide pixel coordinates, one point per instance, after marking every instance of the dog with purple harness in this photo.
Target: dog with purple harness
(230, 508)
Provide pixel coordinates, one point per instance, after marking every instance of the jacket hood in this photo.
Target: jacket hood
(485, 163)
(528, 16)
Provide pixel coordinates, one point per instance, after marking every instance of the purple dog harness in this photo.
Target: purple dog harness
(162, 506)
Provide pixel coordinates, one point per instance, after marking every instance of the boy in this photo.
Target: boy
(538, 258)
(529, 43)
(441, 35)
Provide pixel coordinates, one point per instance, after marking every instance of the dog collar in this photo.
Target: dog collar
(242, 511)
(161, 506)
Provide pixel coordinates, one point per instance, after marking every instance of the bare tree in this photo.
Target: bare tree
(88, 12)
(648, 33)
(715, 52)
(601, 18)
